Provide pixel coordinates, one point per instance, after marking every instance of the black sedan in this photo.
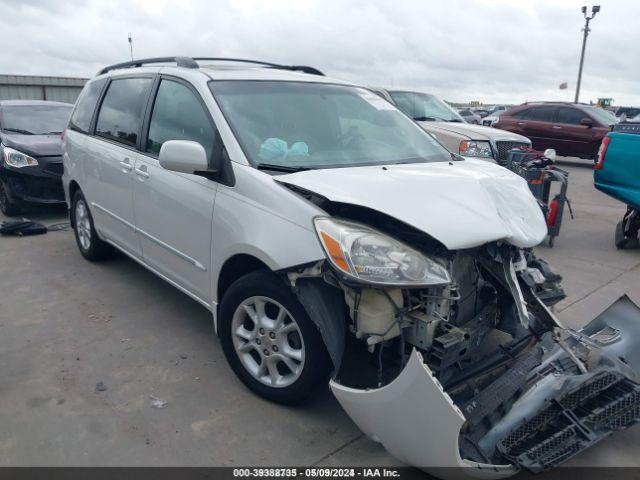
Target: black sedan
(31, 147)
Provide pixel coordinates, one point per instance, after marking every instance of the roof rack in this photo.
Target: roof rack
(188, 62)
(295, 68)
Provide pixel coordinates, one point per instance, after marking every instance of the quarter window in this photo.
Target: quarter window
(86, 105)
(541, 114)
(571, 116)
(121, 113)
(178, 115)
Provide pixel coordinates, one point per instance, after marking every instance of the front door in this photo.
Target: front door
(173, 210)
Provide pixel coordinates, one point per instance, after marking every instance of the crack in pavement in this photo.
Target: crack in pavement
(591, 292)
(342, 447)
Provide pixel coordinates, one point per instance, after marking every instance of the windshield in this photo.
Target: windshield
(301, 125)
(603, 116)
(425, 107)
(35, 119)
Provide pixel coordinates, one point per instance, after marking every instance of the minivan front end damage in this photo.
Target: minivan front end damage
(475, 375)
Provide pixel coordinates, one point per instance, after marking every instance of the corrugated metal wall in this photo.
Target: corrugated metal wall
(23, 87)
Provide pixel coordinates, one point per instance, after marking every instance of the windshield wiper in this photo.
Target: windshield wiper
(18, 130)
(281, 168)
(424, 119)
(455, 120)
(51, 133)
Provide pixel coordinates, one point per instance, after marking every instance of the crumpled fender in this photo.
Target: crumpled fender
(416, 421)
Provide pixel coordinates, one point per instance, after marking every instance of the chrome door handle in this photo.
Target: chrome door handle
(521, 123)
(557, 127)
(126, 165)
(141, 173)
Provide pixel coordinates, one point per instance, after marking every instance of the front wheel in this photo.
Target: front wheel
(269, 340)
(9, 208)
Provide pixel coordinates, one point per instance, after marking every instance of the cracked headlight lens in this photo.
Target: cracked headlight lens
(369, 256)
(475, 148)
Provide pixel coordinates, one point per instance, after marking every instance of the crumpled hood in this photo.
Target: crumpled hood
(473, 132)
(34, 145)
(462, 204)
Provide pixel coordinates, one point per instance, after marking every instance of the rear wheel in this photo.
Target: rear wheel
(90, 245)
(8, 207)
(269, 340)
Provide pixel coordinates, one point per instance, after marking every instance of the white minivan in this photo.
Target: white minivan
(335, 241)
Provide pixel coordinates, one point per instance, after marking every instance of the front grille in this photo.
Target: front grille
(504, 147)
(55, 168)
(574, 421)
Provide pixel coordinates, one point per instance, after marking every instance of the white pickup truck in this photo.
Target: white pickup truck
(450, 129)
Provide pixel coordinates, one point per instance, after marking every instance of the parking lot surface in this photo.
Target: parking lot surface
(86, 349)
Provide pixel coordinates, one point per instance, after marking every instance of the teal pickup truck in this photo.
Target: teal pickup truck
(617, 173)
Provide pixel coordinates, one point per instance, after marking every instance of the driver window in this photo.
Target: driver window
(178, 115)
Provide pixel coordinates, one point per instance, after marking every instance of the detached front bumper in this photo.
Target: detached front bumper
(40, 184)
(563, 411)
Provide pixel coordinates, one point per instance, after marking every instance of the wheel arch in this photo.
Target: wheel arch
(235, 267)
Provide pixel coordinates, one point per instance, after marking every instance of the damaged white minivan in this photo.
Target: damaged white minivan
(336, 241)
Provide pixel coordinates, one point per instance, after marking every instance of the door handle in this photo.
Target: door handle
(142, 172)
(557, 127)
(521, 123)
(126, 166)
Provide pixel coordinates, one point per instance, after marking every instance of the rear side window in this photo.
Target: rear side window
(86, 105)
(571, 116)
(122, 109)
(522, 114)
(541, 114)
(178, 115)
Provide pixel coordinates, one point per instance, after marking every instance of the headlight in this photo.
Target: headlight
(17, 159)
(475, 148)
(372, 257)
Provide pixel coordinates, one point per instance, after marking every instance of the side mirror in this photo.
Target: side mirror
(550, 153)
(587, 122)
(183, 156)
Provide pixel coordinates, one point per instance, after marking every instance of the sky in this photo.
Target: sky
(493, 51)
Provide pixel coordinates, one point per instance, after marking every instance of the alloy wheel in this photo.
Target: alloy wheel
(268, 341)
(83, 225)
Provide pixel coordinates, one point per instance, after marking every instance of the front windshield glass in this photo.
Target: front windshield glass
(425, 107)
(35, 119)
(603, 116)
(302, 125)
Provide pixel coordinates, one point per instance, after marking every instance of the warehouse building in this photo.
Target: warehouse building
(27, 87)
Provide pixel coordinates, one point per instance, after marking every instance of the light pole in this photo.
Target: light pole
(595, 9)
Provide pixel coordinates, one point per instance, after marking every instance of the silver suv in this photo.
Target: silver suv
(334, 240)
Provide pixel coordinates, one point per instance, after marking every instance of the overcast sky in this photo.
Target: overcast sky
(487, 50)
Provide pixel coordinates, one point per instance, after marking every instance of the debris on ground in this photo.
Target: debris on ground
(183, 357)
(156, 402)
(100, 387)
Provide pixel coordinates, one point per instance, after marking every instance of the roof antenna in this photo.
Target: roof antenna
(130, 38)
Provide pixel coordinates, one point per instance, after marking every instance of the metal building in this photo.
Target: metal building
(27, 87)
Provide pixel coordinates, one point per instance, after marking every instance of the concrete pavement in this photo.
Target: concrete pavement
(67, 324)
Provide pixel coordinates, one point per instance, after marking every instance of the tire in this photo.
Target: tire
(292, 345)
(9, 208)
(90, 245)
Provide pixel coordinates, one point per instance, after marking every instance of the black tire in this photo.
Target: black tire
(94, 249)
(9, 208)
(316, 368)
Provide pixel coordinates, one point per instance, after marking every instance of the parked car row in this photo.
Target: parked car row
(335, 239)
(569, 128)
